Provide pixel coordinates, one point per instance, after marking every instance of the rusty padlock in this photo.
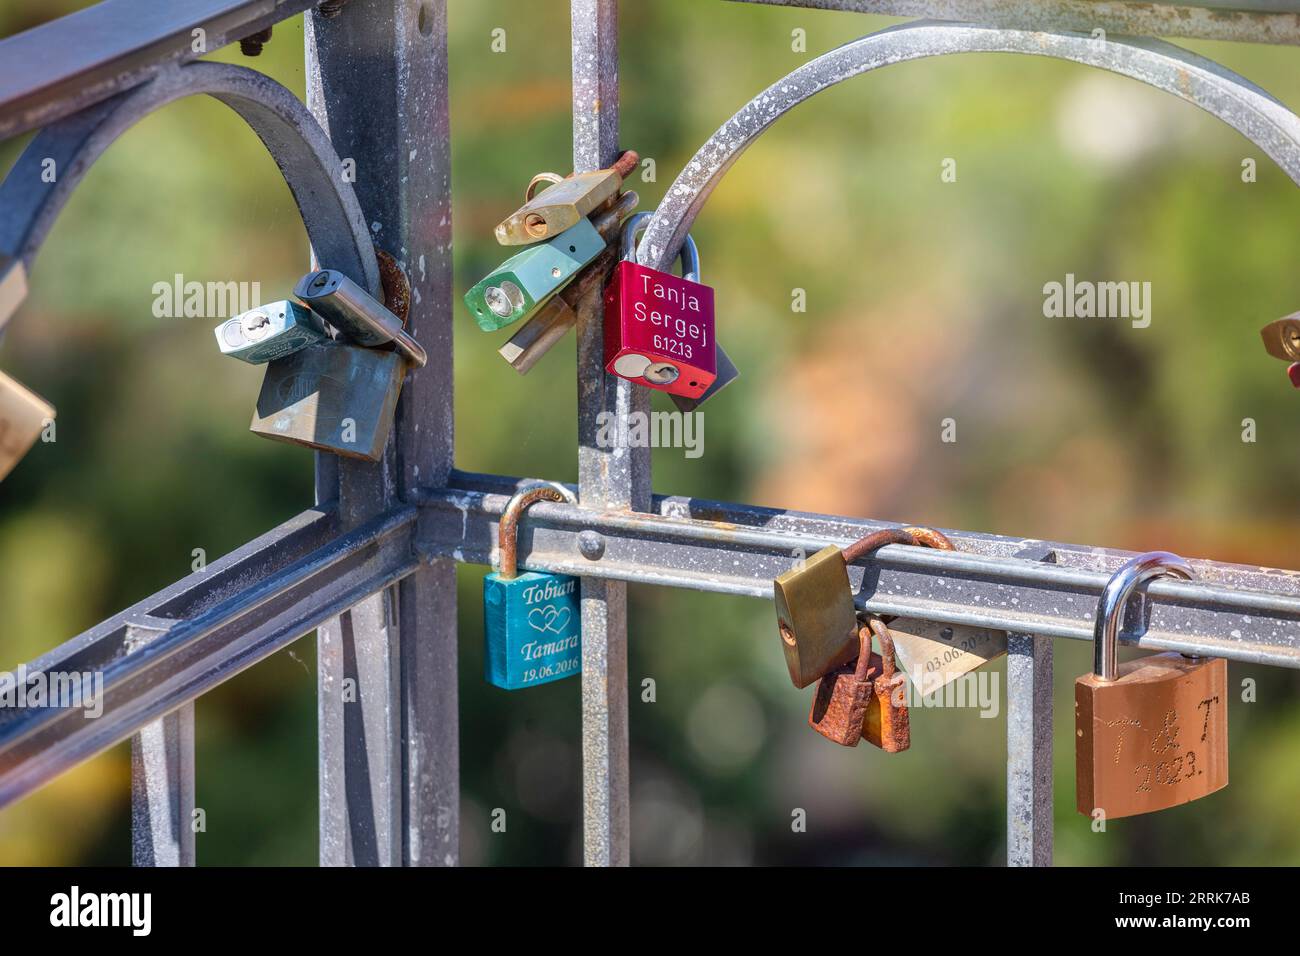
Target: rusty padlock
(887, 723)
(1151, 733)
(839, 707)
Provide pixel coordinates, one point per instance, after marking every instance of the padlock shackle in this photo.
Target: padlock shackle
(888, 661)
(1115, 596)
(508, 529)
(635, 223)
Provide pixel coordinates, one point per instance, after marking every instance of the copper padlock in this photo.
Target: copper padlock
(1151, 733)
(887, 724)
(839, 707)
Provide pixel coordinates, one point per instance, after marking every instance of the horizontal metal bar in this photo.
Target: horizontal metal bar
(1245, 21)
(63, 66)
(1233, 611)
(201, 631)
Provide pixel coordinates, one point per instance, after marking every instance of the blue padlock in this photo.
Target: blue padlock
(533, 620)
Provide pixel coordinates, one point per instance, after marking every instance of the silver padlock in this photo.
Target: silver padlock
(356, 313)
(269, 331)
(333, 396)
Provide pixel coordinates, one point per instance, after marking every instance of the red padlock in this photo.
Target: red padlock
(658, 327)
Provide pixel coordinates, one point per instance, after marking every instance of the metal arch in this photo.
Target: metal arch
(1238, 102)
(335, 224)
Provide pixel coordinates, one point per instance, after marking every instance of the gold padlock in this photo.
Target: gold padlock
(815, 615)
(1151, 733)
(23, 416)
(814, 607)
(567, 201)
(13, 287)
(1282, 338)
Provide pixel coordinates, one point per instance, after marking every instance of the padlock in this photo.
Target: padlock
(726, 374)
(935, 654)
(839, 706)
(23, 416)
(526, 281)
(658, 327)
(1153, 732)
(887, 724)
(565, 204)
(332, 396)
(533, 620)
(552, 321)
(1282, 338)
(357, 314)
(815, 614)
(269, 332)
(13, 287)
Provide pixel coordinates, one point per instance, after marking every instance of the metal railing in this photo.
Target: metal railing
(372, 566)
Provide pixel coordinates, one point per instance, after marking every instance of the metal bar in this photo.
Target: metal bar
(1247, 21)
(608, 478)
(63, 66)
(30, 204)
(212, 625)
(1239, 103)
(162, 791)
(377, 80)
(1232, 611)
(420, 213)
(1029, 750)
(1029, 742)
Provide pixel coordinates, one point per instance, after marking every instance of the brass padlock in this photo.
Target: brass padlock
(13, 287)
(23, 416)
(839, 707)
(568, 200)
(1151, 733)
(1282, 338)
(887, 724)
(334, 397)
(814, 603)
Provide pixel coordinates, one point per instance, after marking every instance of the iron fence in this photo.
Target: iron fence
(372, 566)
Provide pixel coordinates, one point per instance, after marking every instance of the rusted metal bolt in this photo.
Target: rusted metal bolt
(251, 45)
(329, 9)
(592, 545)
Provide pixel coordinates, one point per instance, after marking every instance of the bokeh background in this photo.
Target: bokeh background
(924, 302)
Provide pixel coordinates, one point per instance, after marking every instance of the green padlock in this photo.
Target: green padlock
(526, 281)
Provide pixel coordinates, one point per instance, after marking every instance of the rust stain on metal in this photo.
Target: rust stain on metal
(397, 288)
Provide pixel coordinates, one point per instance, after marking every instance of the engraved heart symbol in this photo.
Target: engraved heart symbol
(549, 618)
(540, 618)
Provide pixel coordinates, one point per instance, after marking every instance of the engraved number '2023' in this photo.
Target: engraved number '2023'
(1172, 771)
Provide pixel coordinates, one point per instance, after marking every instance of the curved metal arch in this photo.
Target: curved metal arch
(1238, 102)
(330, 211)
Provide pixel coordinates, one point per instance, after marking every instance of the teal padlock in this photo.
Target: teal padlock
(526, 281)
(534, 619)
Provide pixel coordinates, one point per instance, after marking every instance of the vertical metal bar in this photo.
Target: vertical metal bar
(162, 791)
(1029, 750)
(389, 735)
(608, 478)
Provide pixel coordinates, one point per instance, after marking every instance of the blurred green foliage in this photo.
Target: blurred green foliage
(924, 303)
